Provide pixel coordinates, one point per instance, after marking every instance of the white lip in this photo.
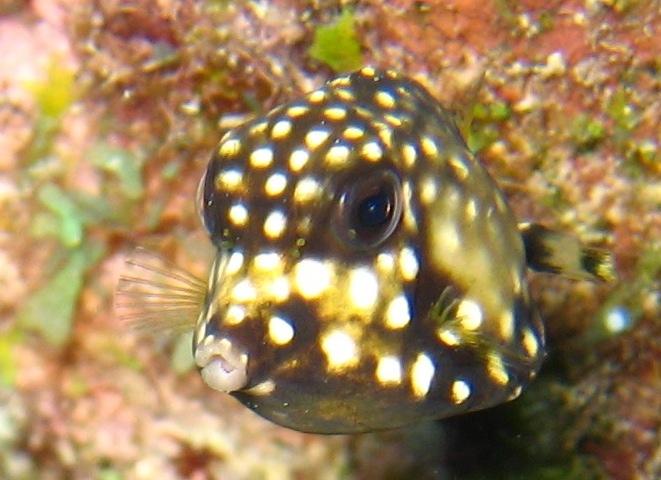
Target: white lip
(223, 364)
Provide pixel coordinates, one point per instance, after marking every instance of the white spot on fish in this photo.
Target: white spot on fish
(298, 159)
(469, 314)
(306, 190)
(312, 277)
(459, 167)
(428, 190)
(297, 110)
(384, 99)
(261, 157)
(496, 369)
(408, 264)
(385, 263)
(410, 155)
(238, 214)
(281, 129)
(389, 370)
(398, 314)
(275, 184)
(353, 133)
(316, 137)
(269, 261)
(244, 291)
(235, 263)
(335, 113)
(429, 146)
(229, 148)
(506, 324)
(337, 155)
(363, 288)
(279, 289)
(371, 151)
(229, 179)
(530, 343)
(340, 349)
(280, 330)
(317, 96)
(275, 224)
(460, 391)
(422, 374)
(235, 315)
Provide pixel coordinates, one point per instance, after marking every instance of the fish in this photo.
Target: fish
(368, 274)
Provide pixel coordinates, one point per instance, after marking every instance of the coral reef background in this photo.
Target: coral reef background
(108, 112)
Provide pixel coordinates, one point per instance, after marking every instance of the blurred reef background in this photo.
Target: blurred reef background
(109, 110)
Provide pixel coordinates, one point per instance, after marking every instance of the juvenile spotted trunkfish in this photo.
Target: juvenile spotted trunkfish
(369, 272)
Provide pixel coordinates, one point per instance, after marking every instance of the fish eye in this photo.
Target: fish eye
(369, 209)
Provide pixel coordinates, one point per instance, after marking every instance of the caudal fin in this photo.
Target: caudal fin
(556, 252)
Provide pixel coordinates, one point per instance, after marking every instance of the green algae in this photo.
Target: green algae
(644, 153)
(546, 21)
(506, 12)
(171, 170)
(56, 93)
(496, 111)
(109, 473)
(68, 214)
(76, 386)
(622, 6)
(481, 126)
(53, 97)
(181, 359)
(336, 44)
(623, 113)
(587, 133)
(50, 310)
(121, 164)
(112, 352)
(64, 219)
(8, 367)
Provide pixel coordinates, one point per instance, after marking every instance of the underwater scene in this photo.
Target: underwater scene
(330, 239)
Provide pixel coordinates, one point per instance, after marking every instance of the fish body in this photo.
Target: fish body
(369, 272)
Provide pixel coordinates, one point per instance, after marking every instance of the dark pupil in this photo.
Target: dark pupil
(374, 210)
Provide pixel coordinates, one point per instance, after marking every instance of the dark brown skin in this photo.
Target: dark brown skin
(370, 280)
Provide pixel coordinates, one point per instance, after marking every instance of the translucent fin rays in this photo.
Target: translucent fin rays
(155, 295)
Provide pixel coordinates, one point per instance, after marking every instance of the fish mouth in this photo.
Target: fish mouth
(222, 364)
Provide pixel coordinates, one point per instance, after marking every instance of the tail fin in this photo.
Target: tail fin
(562, 253)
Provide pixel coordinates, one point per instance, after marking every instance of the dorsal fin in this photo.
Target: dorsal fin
(557, 252)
